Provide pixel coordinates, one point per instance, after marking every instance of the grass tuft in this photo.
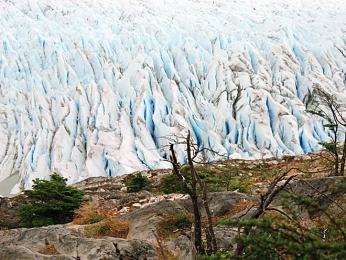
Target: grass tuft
(108, 228)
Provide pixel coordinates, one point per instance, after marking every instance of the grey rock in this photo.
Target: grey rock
(9, 211)
(143, 222)
(181, 246)
(26, 244)
(221, 203)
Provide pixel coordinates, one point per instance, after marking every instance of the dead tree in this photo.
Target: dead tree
(328, 107)
(343, 158)
(274, 188)
(191, 188)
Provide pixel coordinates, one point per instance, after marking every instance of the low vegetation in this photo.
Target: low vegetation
(110, 227)
(285, 234)
(99, 222)
(174, 224)
(242, 175)
(88, 213)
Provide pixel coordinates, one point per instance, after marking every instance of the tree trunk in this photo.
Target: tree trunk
(335, 153)
(194, 198)
(198, 225)
(192, 191)
(211, 240)
(336, 164)
(343, 159)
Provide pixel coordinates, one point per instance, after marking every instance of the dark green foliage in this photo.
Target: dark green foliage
(330, 146)
(282, 237)
(271, 239)
(171, 184)
(330, 126)
(223, 181)
(216, 181)
(51, 202)
(136, 182)
(239, 184)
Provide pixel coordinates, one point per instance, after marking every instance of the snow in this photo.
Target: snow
(92, 88)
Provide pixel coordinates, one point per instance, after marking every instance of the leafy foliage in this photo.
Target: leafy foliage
(51, 202)
(272, 239)
(171, 184)
(136, 182)
(330, 146)
(282, 237)
(330, 109)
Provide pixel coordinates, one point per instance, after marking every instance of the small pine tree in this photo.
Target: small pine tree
(136, 182)
(50, 202)
(171, 184)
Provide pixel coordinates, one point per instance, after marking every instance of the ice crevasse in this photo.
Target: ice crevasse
(94, 88)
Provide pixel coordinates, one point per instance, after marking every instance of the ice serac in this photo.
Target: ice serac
(92, 88)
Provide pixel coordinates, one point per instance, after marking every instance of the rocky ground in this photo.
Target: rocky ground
(145, 211)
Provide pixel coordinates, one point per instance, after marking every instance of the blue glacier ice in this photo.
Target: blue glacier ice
(94, 88)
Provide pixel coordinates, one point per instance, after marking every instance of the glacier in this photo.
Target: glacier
(94, 88)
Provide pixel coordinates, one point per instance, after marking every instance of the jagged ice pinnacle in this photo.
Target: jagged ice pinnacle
(92, 88)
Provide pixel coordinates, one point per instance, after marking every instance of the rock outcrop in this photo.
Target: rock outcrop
(144, 211)
(9, 211)
(37, 243)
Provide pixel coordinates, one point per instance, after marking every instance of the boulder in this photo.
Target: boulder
(68, 244)
(9, 211)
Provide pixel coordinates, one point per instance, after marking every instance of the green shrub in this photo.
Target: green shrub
(171, 184)
(136, 182)
(274, 239)
(287, 236)
(50, 202)
(240, 184)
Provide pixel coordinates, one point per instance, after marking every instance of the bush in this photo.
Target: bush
(289, 236)
(89, 214)
(136, 182)
(240, 184)
(110, 227)
(50, 202)
(171, 184)
(173, 224)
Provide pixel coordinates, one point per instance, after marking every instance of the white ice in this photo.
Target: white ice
(94, 88)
